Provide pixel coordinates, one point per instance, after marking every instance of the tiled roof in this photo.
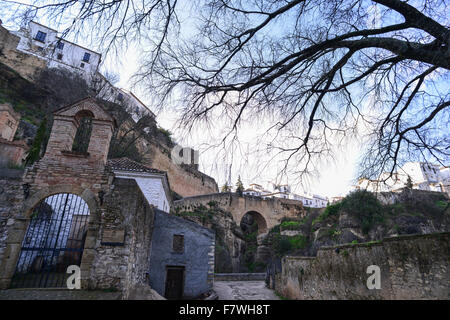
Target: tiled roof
(127, 164)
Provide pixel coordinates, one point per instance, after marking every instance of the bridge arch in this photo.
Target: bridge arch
(258, 218)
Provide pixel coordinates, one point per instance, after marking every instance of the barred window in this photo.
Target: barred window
(86, 57)
(83, 135)
(40, 36)
(178, 243)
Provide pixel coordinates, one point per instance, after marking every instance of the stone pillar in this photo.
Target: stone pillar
(100, 139)
(12, 252)
(61, 137)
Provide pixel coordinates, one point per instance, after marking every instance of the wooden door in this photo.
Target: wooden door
(174, 283)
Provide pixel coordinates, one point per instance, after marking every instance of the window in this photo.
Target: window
(40, 36)
(120, 97)
(82, 65)
(59, 56)
(60, 45)
(83, 135)
(178, 243)
(86, 57)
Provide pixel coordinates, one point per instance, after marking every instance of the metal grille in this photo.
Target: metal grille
(178, 243)
(83, 135)
(54, 240)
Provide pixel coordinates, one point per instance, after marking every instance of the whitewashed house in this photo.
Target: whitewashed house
(153, 183)
(284, 192)
(423, 176)
(256, 190)
(44, 42)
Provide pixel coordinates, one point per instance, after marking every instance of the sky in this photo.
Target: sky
(333, 177)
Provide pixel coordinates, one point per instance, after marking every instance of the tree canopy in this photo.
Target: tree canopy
(327, 69)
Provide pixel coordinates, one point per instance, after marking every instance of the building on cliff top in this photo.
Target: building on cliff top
(45, 43)
(423, 176)
(284, 192)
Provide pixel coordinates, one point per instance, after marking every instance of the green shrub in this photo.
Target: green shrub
(166, 133)
(280, 244)
(330, 210)
(251, 237)
(275, 229)
(442, 204)
(297, 242)
(38, 142)
(365, 207)
(291, 225)
(212, 204)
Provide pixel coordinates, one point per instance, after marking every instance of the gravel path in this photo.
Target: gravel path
(243, 290)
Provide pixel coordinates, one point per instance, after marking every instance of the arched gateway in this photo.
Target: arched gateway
(54, 240)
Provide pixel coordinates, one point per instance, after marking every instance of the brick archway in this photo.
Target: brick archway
(15, 239)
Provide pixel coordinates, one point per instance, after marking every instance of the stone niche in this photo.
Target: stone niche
(66, 122)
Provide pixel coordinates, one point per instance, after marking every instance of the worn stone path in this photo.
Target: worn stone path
(243, 290)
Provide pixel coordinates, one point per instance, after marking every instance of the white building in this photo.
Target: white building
(152, 182)
(423, 176)
(284, 192)
(44, 42)
(256, 190)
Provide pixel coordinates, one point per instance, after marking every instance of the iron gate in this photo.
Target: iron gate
(54, 240)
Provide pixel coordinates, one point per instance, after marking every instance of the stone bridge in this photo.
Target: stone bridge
(266, 212)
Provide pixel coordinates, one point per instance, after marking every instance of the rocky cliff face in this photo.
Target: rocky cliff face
(232, 243)
(361, 217)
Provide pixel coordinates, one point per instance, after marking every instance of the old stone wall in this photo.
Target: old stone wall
(25, 64)
(122, 262)
(12, 152)
(412, 267)
(197, 256)
(11, 197)
(184, 180)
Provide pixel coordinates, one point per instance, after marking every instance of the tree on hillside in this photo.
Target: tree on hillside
(409, 184)
(38, 145)
(239, 186)
(225, 188)
(326, 69)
